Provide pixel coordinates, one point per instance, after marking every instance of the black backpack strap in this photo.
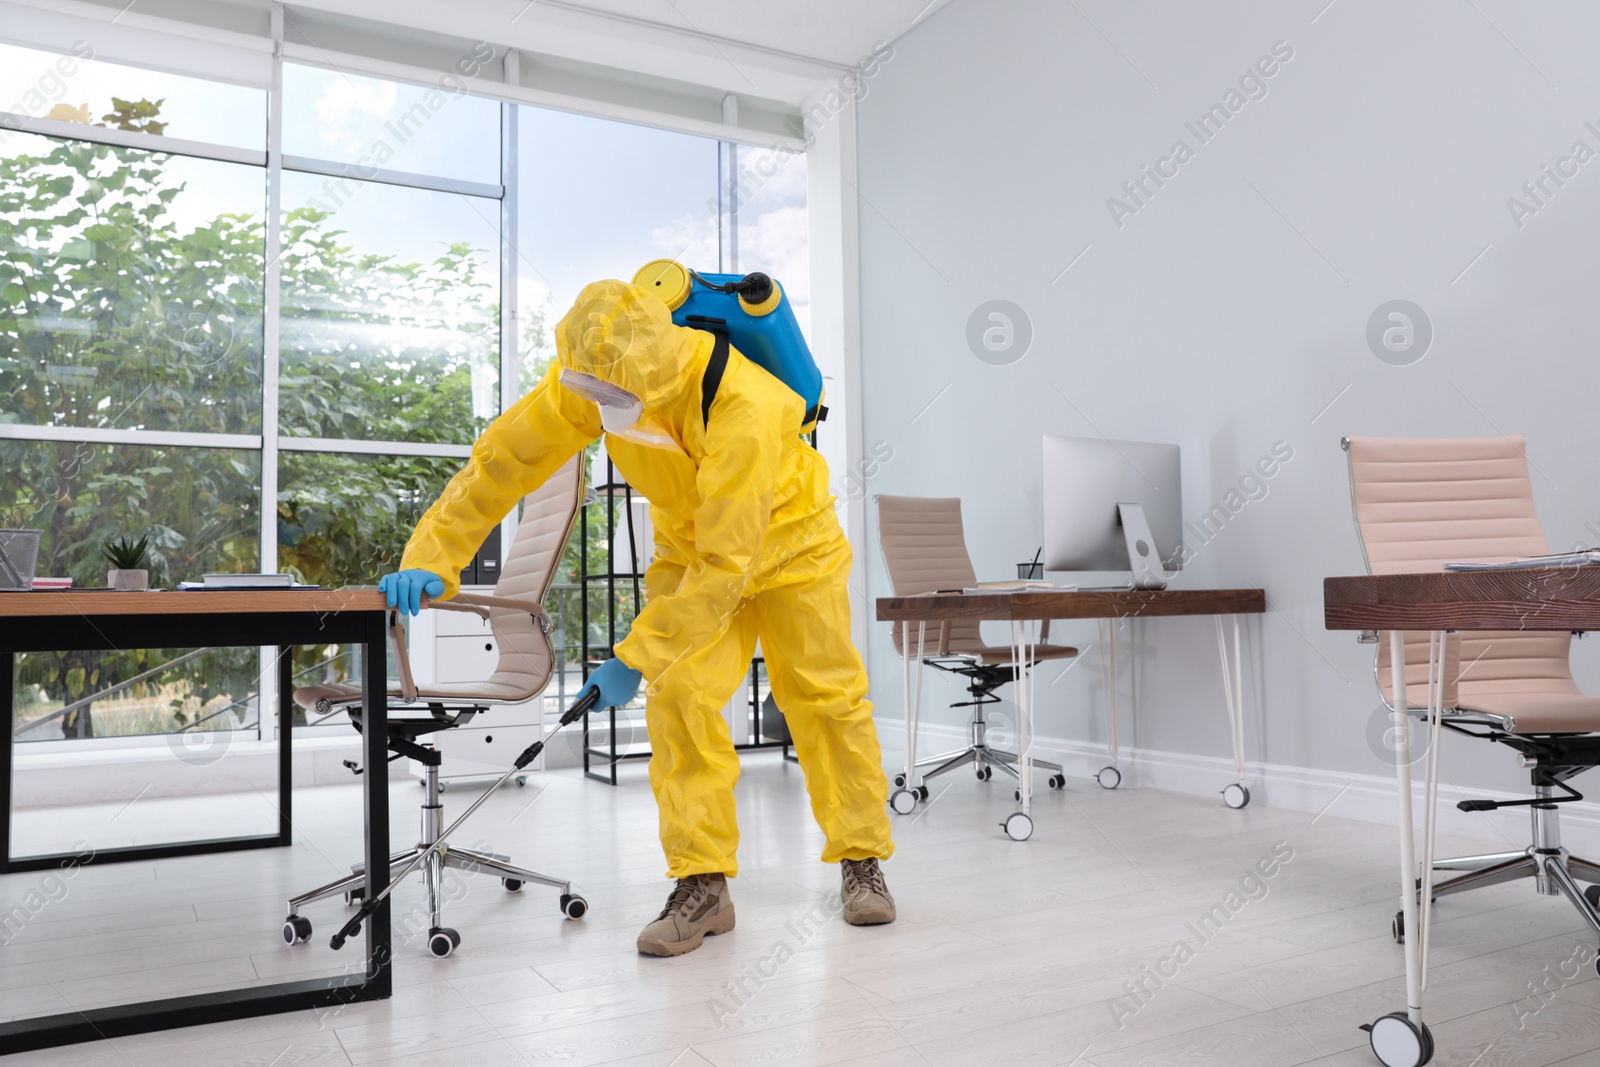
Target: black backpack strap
(712, 379)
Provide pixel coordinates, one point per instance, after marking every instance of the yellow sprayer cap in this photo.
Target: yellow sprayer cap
(667, 279)
(767, 306)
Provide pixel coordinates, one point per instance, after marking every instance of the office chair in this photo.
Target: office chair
(521, 627)
(924, 550)
(1419, 504)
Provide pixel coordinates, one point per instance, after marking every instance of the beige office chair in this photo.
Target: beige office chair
(1422, 503)
(924, 550)
(516, 614)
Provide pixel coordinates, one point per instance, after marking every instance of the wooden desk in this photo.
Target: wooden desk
(1559, 598)
(83, 619)
(1025, 611)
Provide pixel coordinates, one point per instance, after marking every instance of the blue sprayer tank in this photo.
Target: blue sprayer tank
(754, 312)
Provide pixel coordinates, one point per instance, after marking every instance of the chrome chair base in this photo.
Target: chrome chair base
(1555, 871)
(981, 755)
(442, 941)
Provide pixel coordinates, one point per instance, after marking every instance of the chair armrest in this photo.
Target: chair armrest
(397, 638)
(450, 605)
(532, 607)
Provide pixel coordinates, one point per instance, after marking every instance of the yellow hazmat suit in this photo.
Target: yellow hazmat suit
(747, 546)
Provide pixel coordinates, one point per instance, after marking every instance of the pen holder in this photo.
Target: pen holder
(19, 551)
(1026, 571)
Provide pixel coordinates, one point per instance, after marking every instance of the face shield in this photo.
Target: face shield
(620, 410)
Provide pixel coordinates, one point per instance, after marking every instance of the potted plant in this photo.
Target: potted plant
(127, 559)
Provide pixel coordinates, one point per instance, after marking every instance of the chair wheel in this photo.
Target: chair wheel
(1398, 1042)
(521, 779)
(1236, 796)
(1016, 794)
(1058, 781)
(442, 787)
(512, 885)
(1397, 927)
(1592, 895)
(900, 781)
(442, 941)
(1018, 826)
(354, 897)
(296, 930)
(903, 802)
(573, 906)
(1109, 777)
(922, 791)
(985, 773)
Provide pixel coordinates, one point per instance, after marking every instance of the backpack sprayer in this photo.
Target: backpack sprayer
(584, 704)
(752, 312)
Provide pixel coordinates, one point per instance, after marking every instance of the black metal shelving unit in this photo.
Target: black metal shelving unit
(606, 494)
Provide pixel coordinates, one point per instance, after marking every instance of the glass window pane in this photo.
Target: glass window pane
(78, 88)
(193, 696)
(772, 230)
(599, 199)
(198, 506)
(372, 123)
(390, 321)
(130, 288)
(199, 509)
(344, 519)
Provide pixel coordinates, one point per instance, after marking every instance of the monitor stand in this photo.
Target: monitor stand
(1148, 573)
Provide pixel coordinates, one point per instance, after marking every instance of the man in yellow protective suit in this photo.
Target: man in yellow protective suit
(747, 546)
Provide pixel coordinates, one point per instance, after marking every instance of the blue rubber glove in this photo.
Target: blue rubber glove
(405, 589)
(618, 683)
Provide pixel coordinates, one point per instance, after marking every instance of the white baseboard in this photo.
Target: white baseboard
(1365, 797)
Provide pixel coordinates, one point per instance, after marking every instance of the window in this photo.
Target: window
(370, 123)
(599, 200)
(134, 314)
(75, 87)
(389, 332)
(130, 288)
(767, 197)
(200, 509)
(345, 519)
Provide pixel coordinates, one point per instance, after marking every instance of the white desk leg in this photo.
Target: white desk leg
(1110, 776)
(1235, 795)
(1400, 1039)
(903, 801)
(1019, 825)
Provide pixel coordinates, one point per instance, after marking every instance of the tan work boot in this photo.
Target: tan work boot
(699, 905)
(866, 897)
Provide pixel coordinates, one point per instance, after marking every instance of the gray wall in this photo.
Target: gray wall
(1230, 311)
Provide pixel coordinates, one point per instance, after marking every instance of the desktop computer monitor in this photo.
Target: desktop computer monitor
(1091, 486)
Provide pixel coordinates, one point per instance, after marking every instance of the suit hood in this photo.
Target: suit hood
(624, 336)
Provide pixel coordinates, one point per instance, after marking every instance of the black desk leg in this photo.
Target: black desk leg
(285, 736)
(8, 662)
(375, 762)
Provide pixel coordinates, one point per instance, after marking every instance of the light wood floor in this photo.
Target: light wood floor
(1005, 953)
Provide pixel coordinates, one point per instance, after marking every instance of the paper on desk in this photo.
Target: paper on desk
(1022, 586)
(1586, 558)
(210, 584)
